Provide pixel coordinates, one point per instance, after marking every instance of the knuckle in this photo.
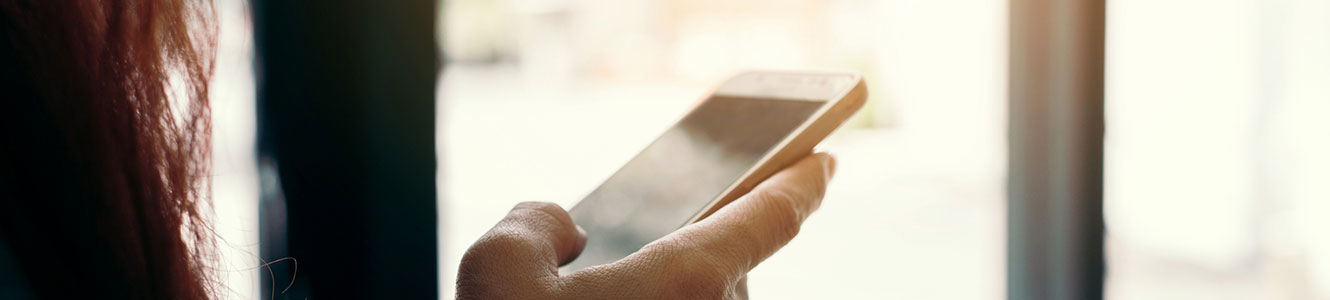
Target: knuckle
(689, 270)
(495, 268)
(541, 206)
(784, 216)
(700, 279)
(496, 243)
(543, 211)
(818, 187)
(661, 248)
(554, 210)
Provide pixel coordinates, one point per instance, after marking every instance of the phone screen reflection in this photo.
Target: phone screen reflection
(683, 170)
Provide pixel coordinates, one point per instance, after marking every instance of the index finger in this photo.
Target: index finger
(750, 229)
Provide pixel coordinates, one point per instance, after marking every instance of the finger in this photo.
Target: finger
(710, 258)
(530, 243)
(741, 288)
(748, 230)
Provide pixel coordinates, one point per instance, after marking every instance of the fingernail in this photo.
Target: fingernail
(578, 247)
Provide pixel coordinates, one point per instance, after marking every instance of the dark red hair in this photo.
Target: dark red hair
(103, 190)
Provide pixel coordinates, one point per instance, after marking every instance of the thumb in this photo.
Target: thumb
(531, 242)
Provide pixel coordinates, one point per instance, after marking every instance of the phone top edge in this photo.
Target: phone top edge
(788, 85)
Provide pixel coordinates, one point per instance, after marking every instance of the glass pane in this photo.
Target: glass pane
(543, 100)
(234, 178)
(1216, 149)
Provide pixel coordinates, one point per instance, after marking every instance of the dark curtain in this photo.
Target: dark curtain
(346, 144)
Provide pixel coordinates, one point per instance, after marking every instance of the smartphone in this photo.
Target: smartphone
(748, 128)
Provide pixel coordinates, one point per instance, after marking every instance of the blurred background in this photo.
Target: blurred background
(1215, 166)
(543, 100)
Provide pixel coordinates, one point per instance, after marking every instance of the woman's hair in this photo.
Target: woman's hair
(104, 147)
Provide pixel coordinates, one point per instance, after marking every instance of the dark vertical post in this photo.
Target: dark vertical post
(1055, 243)
(346, 127)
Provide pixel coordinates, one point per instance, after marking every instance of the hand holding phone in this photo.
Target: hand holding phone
(691, 214)
(519, 257)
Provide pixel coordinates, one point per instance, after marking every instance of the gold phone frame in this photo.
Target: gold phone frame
(844, 92)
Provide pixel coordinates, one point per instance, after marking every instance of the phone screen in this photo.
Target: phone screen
(682, 171)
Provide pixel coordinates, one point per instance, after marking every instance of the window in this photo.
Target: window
(1216, 162)
(542, 100)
